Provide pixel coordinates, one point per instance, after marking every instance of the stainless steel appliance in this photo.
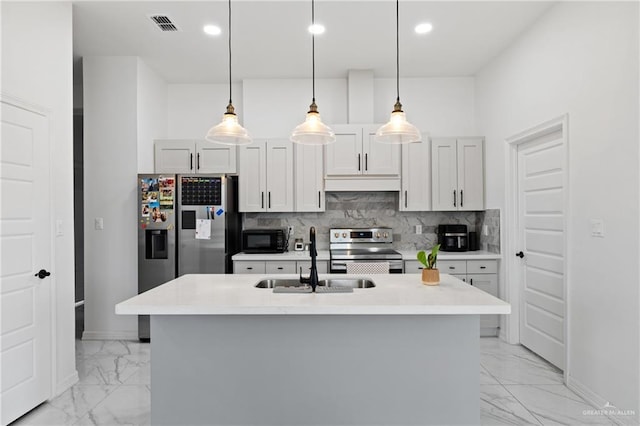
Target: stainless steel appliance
(187, 225)
(264, 241)
(348, 245)
(209, 225)
(453, 237)
(156, 235)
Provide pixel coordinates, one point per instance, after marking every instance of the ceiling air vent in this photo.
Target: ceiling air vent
(164, 23)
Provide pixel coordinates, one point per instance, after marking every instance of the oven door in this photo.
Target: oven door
(339, 266)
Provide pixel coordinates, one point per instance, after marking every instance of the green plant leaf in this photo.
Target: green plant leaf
(422, 257)
(433, 256)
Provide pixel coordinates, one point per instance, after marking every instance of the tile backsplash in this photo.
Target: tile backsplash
(369, 209)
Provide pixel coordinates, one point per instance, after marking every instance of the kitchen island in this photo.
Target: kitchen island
(227, 353)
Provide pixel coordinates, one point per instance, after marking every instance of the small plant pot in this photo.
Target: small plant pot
(430, 277)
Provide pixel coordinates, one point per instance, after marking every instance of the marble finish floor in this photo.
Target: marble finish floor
(516, 388)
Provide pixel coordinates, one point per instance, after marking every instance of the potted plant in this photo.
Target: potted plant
(430, 274)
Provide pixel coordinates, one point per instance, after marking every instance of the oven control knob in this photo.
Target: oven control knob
(344, 235)
(386, 235)
(377, 235)
(336, 234)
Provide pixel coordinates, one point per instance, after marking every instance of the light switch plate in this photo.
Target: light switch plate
(99, 223)
(597, 228)
(485, 230)
(59, 229)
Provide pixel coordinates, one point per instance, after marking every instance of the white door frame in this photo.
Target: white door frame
(46, 113)
(513, 293)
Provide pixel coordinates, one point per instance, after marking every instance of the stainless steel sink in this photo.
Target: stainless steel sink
(333, 282)
(347, 282)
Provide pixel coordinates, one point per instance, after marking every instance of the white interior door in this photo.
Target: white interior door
(541, 220)
(25, 248)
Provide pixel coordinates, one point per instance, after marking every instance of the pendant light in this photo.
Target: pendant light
(229, 131)
(313, 131)
(398, 130)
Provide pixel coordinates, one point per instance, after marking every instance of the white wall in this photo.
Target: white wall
(194, 108)
(152, 114)
(439, 106)
(274, 107)
(110, 175)
(271, 108)
(581, 58)
(37, 68)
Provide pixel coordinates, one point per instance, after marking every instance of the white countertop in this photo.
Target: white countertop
(235, 294)
(406, 255)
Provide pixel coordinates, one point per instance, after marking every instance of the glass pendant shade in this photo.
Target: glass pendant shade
(229, 131)
(398, 130)
(313, 131)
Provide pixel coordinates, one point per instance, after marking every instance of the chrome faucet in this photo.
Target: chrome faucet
(313, 276)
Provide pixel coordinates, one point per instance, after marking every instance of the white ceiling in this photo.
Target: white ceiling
(270, 39)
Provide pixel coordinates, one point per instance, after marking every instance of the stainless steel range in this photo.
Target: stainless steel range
(363, 245)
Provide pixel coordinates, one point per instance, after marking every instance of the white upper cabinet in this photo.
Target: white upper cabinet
(266, 177)
(415, 194)
(189, 156)
(215, 158)
(309, 178)
(356, 153)
(457, 173)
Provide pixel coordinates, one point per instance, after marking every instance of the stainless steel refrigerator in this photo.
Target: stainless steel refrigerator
(209, 225)
(157, 255)
(187, 225)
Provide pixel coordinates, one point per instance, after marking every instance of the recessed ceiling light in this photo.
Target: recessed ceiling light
(423, 28)
(316, 29)
(212, 30)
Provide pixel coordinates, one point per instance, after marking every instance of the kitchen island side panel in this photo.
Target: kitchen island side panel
(315, 370)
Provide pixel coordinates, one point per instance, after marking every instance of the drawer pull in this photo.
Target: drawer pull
(452, 267)
(280, 268)
(249, 267)
(483, 267)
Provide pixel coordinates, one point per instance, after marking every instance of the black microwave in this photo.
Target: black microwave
(263, 241)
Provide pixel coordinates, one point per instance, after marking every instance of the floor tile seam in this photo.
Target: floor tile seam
(489, 373)
(523, 404)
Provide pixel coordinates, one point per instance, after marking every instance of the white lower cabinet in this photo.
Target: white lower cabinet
(277, 267)
(479, 273)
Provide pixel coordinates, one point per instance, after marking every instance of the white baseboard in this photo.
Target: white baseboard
(66, 383)
(110, 335)
(600, 403)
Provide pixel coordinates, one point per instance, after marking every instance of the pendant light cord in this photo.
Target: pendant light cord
(398, 50)
(313, 52)
(230, 52)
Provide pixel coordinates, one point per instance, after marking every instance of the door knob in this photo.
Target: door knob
(520, 254)
(42, 274)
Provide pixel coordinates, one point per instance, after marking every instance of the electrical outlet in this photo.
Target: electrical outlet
(418, 229)
(597, 228)
(485, 230)
(59, 228)
(99, 223)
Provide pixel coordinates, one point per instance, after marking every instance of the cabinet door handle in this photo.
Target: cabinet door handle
(471, 281)
(262, 200)
(190, 161)
(366, 162)
(406, 199)
(319, 199)
(358, 162)
(198, 161)
(461, 199)
(454, 198)
(269, 199)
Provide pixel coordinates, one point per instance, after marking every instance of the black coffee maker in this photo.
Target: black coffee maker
(453, 237)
